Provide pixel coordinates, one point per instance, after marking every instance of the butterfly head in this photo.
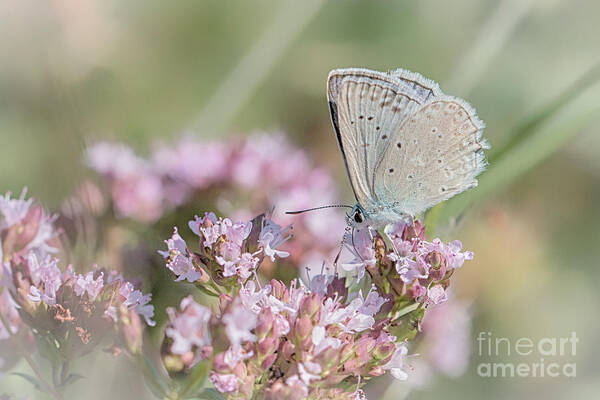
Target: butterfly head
(357, 218)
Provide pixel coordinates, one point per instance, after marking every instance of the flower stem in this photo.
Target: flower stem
(32, 364)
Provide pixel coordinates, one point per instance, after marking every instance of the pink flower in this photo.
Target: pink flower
(137, 190)
(266, 164)
(251, 298)
(410, 269)
(239, 324)
(348, 317)
(451, 252)
(299, 388)
(372, 303)
(194, 163)
(322, 341)
(114, 159)
(247, 264)
(454, 256)
(189, 329)
(9, 311)
(207, 227)
(13, 211)
(272, 236)
(139, 196)
(47, 278)
(360, 244)
(32, 228)
(224, 383)
(87, 284)
(436, 295)
(309, 371)
(397, 364)
(138, 301)
(179, 260)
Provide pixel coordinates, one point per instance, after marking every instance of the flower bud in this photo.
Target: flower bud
(347, 351)
(265, 323)
(438, 265)
(268, 345)
(279, 290)
(224, 301)
(337, 288)
(206, 352)
(364, 346)
(416, 230)
(416, 290)
(353, 366)
(380, 247)
(376, 371)
(310, 306)
(288, 350)
(384, 350)
(219, 364)
(29, 227)
(268, 361)
(303, 327)
(132, 329)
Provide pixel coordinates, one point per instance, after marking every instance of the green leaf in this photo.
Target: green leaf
(205, 290)
(526, 127)
(72, 378)
(31, 379)
(153, 378)
(407, 326)
(210, 394)
(195, 380)
(48, 348)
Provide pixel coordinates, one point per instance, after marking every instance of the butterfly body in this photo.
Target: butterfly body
(406, 145)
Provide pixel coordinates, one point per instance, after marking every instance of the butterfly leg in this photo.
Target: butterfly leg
(337, 257)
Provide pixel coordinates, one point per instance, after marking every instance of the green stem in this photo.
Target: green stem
(32, 364)
(151, 376)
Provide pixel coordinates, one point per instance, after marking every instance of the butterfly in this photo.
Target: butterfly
(406, 145)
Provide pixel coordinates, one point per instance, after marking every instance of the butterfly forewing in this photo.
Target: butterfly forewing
(435, 154)
(367, 109)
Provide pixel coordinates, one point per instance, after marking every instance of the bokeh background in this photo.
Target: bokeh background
(73, 72)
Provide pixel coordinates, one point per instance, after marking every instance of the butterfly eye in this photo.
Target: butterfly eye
(358, 218)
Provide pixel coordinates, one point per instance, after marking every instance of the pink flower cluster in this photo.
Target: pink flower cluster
(24, 228)
(422, 268)
(52, 301)
(293, 342)
(321, 340)
(47, 283)
(75, 310)
(227, 248)
(263, 170)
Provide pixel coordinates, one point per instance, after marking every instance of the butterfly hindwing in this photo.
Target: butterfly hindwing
(435, 154)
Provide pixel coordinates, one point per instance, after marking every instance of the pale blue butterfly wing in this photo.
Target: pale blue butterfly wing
(365, 107)
(406, 145)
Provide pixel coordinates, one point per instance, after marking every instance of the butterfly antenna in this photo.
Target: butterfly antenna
(317, 208)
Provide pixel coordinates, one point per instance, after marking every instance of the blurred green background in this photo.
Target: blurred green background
(137, 71)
